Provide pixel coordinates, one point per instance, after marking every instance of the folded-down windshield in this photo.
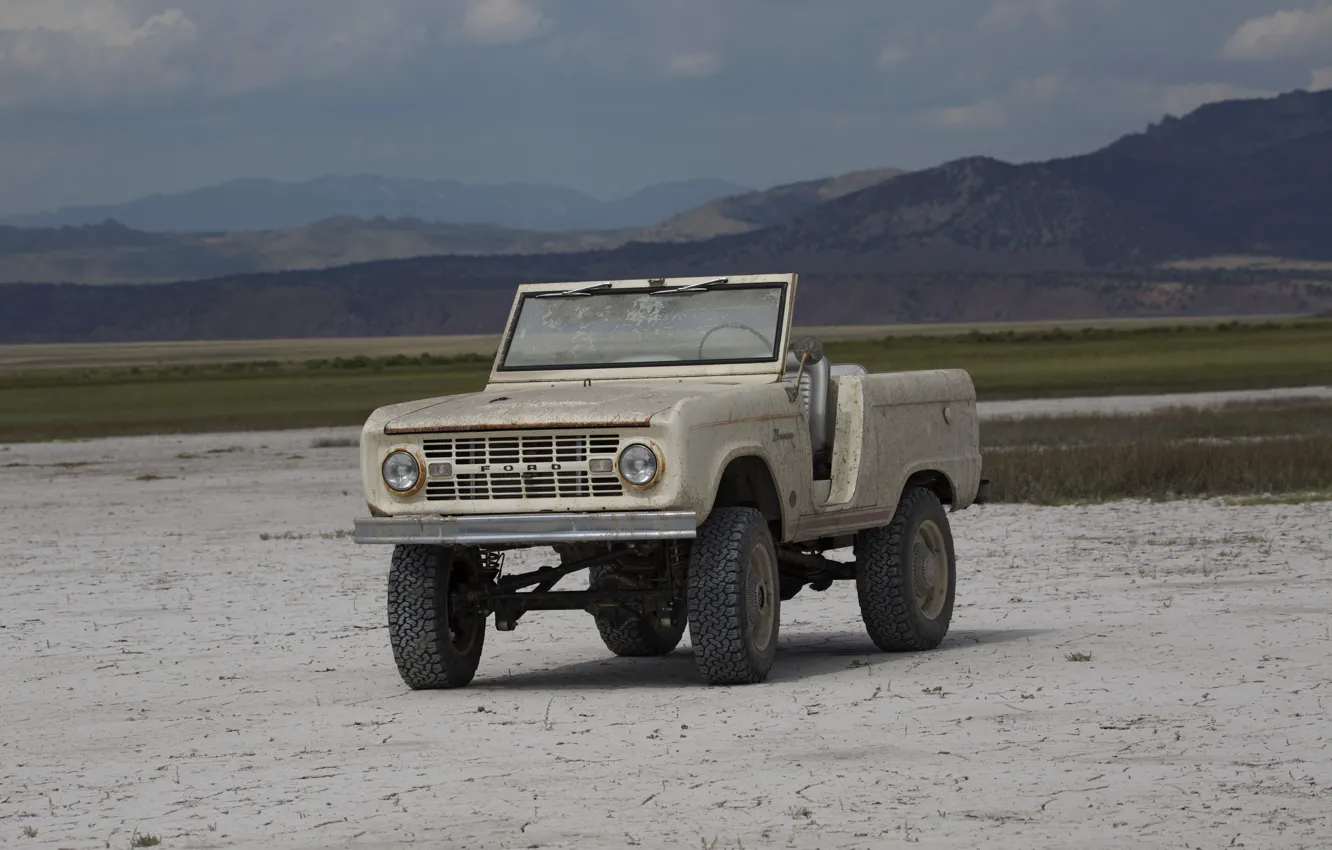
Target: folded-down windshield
(722, 324)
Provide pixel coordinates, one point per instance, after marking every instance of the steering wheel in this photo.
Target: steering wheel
(736, 325)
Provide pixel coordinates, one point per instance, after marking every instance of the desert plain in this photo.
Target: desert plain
(195, 651)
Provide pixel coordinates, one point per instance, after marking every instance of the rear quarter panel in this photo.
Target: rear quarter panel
(924, 421)
(913, 422)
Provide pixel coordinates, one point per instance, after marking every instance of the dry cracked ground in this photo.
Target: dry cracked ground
(191, 651)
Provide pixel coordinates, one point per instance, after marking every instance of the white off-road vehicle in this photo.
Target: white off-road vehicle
(667, 436)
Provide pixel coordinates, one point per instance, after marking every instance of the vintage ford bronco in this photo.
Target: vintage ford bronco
(667, 436)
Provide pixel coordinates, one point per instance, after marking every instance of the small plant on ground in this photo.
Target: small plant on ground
(29, 832)
(1079, 656)
(282, 535)
(335, 443)
(339, 534)
(145, 840)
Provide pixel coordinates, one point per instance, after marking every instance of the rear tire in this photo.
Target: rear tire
(906, 575)
(636, 637)
(734, 597)
(434, 646)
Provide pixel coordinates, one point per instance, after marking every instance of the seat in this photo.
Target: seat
(814, 386)
(849, 370)
(816, 397)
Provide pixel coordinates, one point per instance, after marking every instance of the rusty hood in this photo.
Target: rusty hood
(605, 404)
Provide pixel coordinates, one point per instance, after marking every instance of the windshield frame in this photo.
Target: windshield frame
(773, 365)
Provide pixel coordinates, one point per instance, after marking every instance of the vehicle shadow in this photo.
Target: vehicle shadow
(801, 656)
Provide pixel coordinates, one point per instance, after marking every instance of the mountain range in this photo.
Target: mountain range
(1224, 210)
(110, 252)
(260, 204)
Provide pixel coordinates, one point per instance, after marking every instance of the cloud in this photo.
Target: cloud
(67, 54)
(81, 51)
(1059, 98)
(94, 22)
(137, 96)
(693, 65)
(102, 17)
(985, 115)
(893, 55)
(258, 46)
(998, 110)
(1184, 98)
(1282, 35)
(1322, 79)
(501, 21)
(1023, 14)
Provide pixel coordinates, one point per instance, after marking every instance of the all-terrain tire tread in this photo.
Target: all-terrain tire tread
(418, 624)
(887, 601)
(718, 561)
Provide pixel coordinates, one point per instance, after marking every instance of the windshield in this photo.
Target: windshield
(615, 327)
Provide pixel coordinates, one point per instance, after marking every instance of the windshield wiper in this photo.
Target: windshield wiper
(702, 286)
(582, 290)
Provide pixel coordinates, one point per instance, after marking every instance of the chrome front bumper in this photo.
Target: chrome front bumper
(535, 529)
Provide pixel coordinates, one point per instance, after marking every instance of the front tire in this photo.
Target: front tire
(434, 645)
(734, 598)
(635, 637)
(906, 575)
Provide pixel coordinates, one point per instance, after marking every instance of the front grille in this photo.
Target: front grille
(480, 486)
(494, 467)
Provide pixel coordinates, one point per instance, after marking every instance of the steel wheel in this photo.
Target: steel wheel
(761, 584)
(929, 568)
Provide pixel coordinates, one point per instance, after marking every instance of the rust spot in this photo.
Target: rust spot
(524, 426)
(415, 452)
(773, 417)
(656, 479)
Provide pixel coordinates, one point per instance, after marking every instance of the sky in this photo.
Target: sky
(108, 100)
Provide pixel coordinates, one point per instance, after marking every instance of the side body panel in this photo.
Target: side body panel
(912, 422)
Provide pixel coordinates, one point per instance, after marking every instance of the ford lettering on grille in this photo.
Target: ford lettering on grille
(528, 467)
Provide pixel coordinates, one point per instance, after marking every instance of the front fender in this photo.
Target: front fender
(784, 467)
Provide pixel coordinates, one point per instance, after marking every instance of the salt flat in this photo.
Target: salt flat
(167, 670)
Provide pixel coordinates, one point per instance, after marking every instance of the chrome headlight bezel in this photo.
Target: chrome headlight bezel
(653, 462)
(418, 479)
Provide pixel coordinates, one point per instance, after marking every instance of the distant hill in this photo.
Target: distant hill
(1259, 183)
(756, 210)
(648, 206)
(1164, 222)
(110, 252)
(257, 204)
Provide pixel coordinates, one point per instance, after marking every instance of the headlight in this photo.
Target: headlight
(638, 465)
(401, 472)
